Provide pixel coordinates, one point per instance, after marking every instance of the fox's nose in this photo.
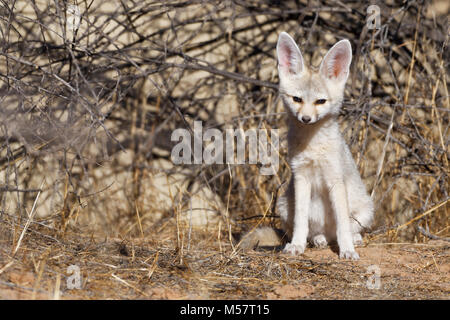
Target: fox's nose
(306, 119)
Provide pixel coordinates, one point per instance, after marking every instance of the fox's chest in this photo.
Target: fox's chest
(314, 162)
(313, 156)
(315, 150)
(312, 169)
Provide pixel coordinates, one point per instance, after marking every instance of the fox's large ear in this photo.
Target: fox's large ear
(336, 64)
(290, 58)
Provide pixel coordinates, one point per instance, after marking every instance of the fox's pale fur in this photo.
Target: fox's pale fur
(326, 199)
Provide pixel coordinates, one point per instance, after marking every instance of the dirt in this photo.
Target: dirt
(207, 268)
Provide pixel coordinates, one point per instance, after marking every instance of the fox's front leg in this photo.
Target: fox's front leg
(302, 195)
(338, 196)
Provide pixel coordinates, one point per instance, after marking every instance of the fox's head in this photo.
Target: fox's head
(310, 94)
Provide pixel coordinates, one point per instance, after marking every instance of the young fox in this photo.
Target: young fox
(326, 199)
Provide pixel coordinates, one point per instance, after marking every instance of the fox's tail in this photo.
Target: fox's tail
(264, 237)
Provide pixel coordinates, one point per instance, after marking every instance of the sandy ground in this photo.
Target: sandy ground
(207, 268)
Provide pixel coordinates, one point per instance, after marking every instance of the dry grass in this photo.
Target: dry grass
(151, 268)
(85, 127)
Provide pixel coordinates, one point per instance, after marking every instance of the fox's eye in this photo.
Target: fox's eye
(297, 99)
(321, 101)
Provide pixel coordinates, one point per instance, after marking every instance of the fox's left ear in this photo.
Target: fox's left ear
(336, 64)
(290, 60)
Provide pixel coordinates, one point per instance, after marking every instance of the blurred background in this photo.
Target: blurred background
(90, 92)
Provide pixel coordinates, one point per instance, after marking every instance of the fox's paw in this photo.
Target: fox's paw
(320, 241)
(294, 249)
(351, 255)
(357, 239)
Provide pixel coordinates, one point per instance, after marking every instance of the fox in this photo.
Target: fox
(326, 200)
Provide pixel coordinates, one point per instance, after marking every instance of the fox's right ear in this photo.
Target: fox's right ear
(290, 58)
(336, 64)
